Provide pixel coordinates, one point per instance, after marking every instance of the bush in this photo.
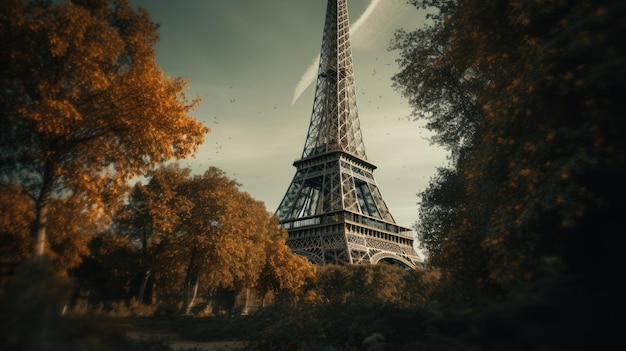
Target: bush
(553, 314)
(32, 315)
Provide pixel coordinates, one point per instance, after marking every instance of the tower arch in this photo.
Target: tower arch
(386, 257)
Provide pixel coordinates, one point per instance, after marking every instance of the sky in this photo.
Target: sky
(251, 63)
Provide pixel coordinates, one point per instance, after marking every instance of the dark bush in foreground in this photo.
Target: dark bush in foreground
(32, 317)
(550, 315)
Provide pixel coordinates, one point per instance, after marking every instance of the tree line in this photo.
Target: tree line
(183, 236)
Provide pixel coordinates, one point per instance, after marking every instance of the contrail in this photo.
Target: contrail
(354, 29)
(306, 79)
(378, 20)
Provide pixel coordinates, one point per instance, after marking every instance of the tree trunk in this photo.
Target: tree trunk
(192, 298)
(245, 304)
(40, 229)
(190, 289)
(41, 208)
(144, 284)
(210, 299)
(154, 296)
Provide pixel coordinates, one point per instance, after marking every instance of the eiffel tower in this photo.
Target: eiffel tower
(333, 210)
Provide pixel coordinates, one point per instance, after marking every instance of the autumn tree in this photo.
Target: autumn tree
(153, 217)
(208, 248)
(83, 106)
(536, 158)
(226, 236)
(197, 235)
(68, 238)
(284, 273)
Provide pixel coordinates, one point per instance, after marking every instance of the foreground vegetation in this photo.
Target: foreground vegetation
(523, 230)
(554, 314)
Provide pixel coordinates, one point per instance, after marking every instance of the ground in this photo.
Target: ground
(150, 329)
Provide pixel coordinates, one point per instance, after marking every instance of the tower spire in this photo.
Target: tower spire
(333, 209)
(334, 122)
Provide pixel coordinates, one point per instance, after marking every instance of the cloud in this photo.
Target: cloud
(377, 22)
(307, 78)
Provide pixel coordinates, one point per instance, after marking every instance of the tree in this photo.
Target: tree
(441, 88)
(332, 283)
(107, 273)
(68, 237)
(538, 164)
(284, 273)
(201, 233)
(209, 245)
(83, 105)
(366, 284)
(226, 236)
(440, 206)
(153, 217)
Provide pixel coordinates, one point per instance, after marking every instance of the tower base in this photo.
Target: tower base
(349, 238)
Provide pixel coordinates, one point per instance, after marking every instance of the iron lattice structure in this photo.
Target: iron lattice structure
(333, 209)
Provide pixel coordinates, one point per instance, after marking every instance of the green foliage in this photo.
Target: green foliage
(551, 314)
(440, 208)
(339, 326)
(380, 284)
(526, 94)
(365, 283)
